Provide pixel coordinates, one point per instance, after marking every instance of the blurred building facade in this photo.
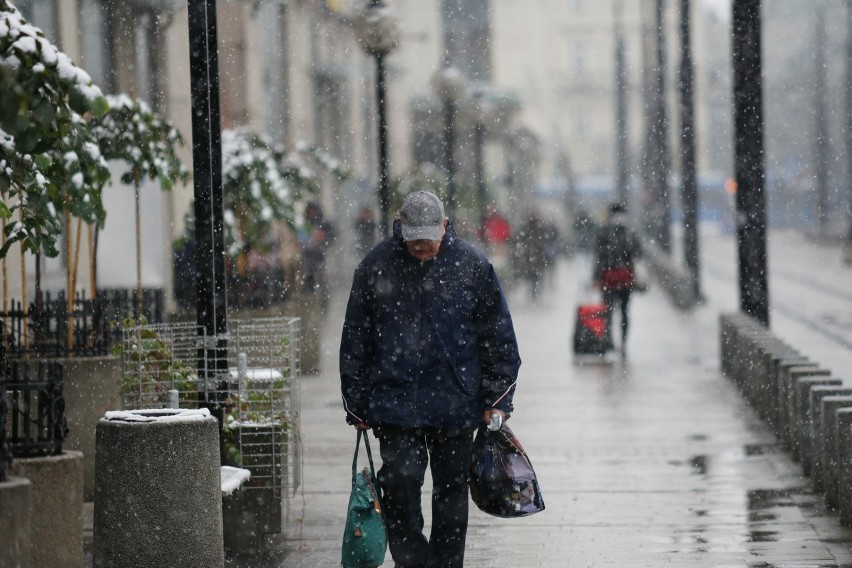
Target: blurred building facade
(293, 70)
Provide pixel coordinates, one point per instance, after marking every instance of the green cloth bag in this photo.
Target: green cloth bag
(365, 539)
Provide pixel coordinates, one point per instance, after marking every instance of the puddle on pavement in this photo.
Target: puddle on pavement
(759, 449)
(762, 536)
(699, 464)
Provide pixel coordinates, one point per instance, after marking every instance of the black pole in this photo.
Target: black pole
(661, 206)
(849, 129)
(820, 127)
(689, 195)
(211, 284)
(622, 164)
(649, 150)
(749, 159)
(384, 165)
(479, 147)
(449, 154)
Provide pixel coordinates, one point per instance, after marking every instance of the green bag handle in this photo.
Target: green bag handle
(369, 454)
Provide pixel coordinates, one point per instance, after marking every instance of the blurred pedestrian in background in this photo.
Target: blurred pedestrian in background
(365, 231)
(532, 252)
(319, 234)
(616, 249)
(495, 229)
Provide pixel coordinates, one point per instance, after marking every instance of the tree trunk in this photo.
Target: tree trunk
(138, 246)
(5, 290)
(39, 306)
(93, 281)
(69, 280)
(76, 253)
(24, 299)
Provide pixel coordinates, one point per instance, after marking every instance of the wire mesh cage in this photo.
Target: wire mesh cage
(261, 420)
(158, 359)
(163, 365)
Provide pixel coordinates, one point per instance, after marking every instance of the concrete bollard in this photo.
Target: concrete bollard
(810, 441)
(781, 367)
(766, 389)
(799, 405)
(15, 522)
(757, 343)
(786, 409)
(829, 462)
(158, 490)
(844, 480)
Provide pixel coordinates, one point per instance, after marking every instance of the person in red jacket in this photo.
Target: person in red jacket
(616, 247)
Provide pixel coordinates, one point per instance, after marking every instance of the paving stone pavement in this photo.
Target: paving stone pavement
(647, 462)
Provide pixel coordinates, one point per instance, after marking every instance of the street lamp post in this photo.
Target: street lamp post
(749, 159)
(479, 111)
(820, 141)
(449, 85)
(661, 205)
(211, 283)
(689, 195)
(622, 166)
(849, 130)
(378, 35)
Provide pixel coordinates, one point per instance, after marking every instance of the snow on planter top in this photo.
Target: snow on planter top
(233, 478)
(159, 415)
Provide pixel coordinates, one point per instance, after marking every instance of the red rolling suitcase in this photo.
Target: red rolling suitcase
(590, 333)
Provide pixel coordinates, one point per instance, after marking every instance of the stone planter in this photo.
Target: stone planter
(56, 508)
(15, 522)
(158, 490)
(91, 389)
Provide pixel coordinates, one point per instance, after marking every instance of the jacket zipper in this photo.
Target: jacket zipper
(419, 346)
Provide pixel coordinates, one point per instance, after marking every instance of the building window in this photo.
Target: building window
(42, 14)
(467, 36)
(92, 42)
(331, 112)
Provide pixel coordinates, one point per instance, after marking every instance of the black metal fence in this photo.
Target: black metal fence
(5, 454)
(36, 424)
(42, 329)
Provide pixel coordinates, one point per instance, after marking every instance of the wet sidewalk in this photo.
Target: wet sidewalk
(650, 461)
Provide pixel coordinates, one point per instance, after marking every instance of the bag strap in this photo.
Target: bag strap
(369, 454)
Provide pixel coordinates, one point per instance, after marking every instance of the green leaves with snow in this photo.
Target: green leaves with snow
(42, 97)
(133, 133)
(41, 87)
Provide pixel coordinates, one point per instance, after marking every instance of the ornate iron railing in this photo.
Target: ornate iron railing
(42, 329)
(36, 424)
(5, 454)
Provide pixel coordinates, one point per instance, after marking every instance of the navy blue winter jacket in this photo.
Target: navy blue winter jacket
(426, 344)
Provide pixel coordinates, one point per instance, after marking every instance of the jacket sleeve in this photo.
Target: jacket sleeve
(357, 349)
(498, 346)
(599, 251)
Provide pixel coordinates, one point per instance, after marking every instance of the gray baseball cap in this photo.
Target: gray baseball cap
(422, 217)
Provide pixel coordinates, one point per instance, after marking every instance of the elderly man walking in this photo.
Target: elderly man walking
(428, 354)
